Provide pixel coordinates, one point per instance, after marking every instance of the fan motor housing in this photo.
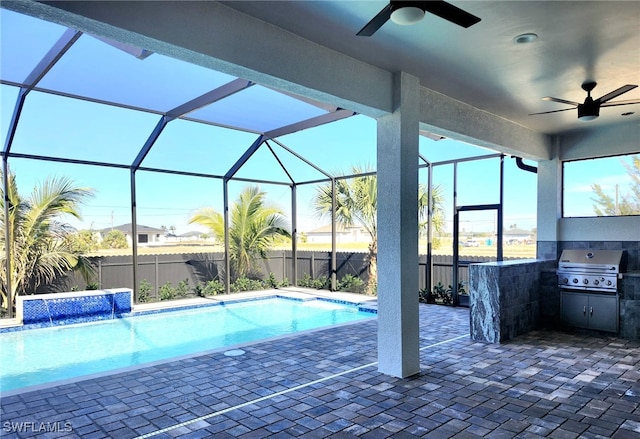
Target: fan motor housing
(589, 110)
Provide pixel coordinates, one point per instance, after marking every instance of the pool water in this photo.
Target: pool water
(45, 355)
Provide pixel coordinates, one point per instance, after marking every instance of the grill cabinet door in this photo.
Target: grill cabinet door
(603, 313)
(575, 309)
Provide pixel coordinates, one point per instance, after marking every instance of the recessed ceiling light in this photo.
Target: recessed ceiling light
(628, 113)
(525, 38)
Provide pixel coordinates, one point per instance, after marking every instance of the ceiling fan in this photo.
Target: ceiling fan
(411, 12)
(590, 109)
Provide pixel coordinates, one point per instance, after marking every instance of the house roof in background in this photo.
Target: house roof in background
(127, 229)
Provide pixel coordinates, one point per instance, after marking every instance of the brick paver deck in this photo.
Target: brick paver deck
(325, 384)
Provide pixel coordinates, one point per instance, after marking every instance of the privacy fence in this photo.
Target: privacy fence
(198, 268)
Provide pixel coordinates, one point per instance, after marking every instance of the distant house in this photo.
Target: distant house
(517, 236)
(146, 235)
(322, 235)
(194, 236)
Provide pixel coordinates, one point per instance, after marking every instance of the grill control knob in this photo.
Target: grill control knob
(596, 282)
(585, 281)
(575, 281)
(609, 283)
(565, 280)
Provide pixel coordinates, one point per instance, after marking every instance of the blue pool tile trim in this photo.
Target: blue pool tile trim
(76, 309)
(57, 310)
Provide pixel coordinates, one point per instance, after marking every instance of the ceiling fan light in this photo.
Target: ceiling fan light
(407, 15)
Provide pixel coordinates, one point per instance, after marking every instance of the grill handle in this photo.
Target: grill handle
(591, 311)
(588, 267)
(584, 310)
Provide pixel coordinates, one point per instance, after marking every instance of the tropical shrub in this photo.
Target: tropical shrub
(442, 294)
(144, 291)
(352, 284)
(246, 284)
(114, 239)
(356, 202)
(425, 296)
(271, 281)
(183, 288)
(211, 288)
(308, 282)
(166, 292)
(254, 226)
(83, 241)
(39, 239)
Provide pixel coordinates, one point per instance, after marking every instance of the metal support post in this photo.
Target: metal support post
(134, 235)
(294, 235)
(227, 264)
(334, 262)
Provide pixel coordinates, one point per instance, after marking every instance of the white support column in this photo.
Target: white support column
(398, 323)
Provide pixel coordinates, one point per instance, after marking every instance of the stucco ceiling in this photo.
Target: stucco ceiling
(482, 66)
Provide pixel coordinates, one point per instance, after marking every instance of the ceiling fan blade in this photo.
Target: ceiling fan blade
(449, 12)
(616, 103)
(376, 23)
(618, 92)
(554, 111)
(562, 101)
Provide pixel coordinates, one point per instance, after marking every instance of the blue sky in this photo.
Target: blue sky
(55, 126)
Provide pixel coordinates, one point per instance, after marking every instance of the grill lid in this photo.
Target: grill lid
(608, 260)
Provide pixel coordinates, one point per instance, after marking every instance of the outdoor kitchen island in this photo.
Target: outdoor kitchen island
(510, 298)
(504, 298)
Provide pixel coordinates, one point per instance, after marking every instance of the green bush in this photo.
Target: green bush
(271, 281)
(308, 282)
(167, 292)
(211, 288)
(443, 294)
(114, 239)
(285, 283)
(425, 296)
(92, 286)
(351, 283)
(144, 291)
(245, 284)
(183, 288)
(321, 283)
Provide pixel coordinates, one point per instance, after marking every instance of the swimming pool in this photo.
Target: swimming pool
(45, 355)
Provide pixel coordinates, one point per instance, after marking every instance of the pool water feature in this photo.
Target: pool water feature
(46, 355)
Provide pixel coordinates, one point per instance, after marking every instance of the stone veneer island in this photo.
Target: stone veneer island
(504, 298)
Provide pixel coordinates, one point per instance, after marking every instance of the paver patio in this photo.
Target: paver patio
(325, 384)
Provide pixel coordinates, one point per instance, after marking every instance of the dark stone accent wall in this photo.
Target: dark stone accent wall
(547, 250)
(549, 300)
(628, 289)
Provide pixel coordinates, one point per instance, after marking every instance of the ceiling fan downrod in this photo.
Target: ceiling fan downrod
(590, 109)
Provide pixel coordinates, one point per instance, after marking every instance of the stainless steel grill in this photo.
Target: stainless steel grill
(593, 270)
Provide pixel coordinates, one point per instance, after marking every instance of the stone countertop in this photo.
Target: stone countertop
(514, 262)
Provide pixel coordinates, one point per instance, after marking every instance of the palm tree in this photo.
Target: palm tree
(357, 202)
(40, 244)
(254, 226)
